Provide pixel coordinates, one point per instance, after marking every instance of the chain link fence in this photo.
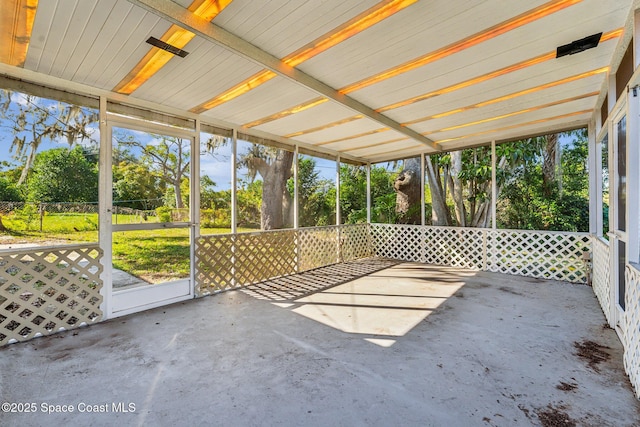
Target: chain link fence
(64, 217)
(60, 208)
(36, 216)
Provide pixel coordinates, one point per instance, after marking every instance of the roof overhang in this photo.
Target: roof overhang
(369, 81)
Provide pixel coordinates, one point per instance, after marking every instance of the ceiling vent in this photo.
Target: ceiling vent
(166, 46)
(578, 46)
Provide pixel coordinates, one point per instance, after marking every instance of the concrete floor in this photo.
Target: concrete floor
(410, 345)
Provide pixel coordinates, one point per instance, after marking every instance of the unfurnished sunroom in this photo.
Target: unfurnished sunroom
(207, 95)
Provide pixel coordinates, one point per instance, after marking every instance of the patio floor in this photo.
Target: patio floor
(364, 343)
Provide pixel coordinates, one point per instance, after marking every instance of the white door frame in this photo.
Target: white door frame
(132, 300)
(617, 235)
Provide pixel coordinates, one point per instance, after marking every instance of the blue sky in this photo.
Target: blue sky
(6, 135)
(216, 166)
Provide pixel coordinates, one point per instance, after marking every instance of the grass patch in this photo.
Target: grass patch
(66, 222)
(155, 256)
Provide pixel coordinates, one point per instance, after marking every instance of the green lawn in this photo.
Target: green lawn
(153, 255)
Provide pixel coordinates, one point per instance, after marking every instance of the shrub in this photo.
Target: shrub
(164, 214)
(215, 218)
(28, 215)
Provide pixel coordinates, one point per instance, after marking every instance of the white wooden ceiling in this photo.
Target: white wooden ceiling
(98, 42)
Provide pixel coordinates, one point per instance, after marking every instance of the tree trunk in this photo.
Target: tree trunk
(408, 198)
(456, 188)
(27, 165)
(439, 211)
(481, 216)
(274, 186)
(287, 208)
(550, 164)
(179, 172)
(178, 192)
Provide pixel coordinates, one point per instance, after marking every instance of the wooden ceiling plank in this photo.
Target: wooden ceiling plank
(181, 16)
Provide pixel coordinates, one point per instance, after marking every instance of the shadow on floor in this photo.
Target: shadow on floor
(494, 350)
(289, 288)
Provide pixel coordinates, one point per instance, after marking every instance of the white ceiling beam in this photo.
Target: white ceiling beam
(182, 17)
(21, 79)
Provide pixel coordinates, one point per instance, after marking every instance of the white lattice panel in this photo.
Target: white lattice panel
(229, 261)
(601, 280)
(262, 256)
(355, 242)
(542, 254)
(631, 321)
(318, 247)
(214, 263)
(454, 246)
(403, 242)
(46, 290)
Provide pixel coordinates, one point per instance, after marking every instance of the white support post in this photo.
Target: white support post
(633, 178)
(612, 189)
(611, 95)
(600, 231)
(635, 40)
(296, 201)
(595, 223)
(296, 206)
(105, 201)
(422, 200)
(613, 281)
(234, 172)
(195, 181)
(368, 193)
(338, 217)
(234, 202)
(597, 116)
(494, 186)
(194, 203)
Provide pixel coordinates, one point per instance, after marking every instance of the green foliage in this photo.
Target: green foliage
(605, 185)
(170, 199)
(163, 213)
(35, 120)
(353, 194)
(8, 191)
(384, 209)
(475, 173)
(157, 176)
(249, 197)
(215, 218)
(28, 216)
(383, 195)
(215, 205)
(208, 194)
(134, 186)
(167, 159)
(315, 207)
(63, 175)
(524, 202)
